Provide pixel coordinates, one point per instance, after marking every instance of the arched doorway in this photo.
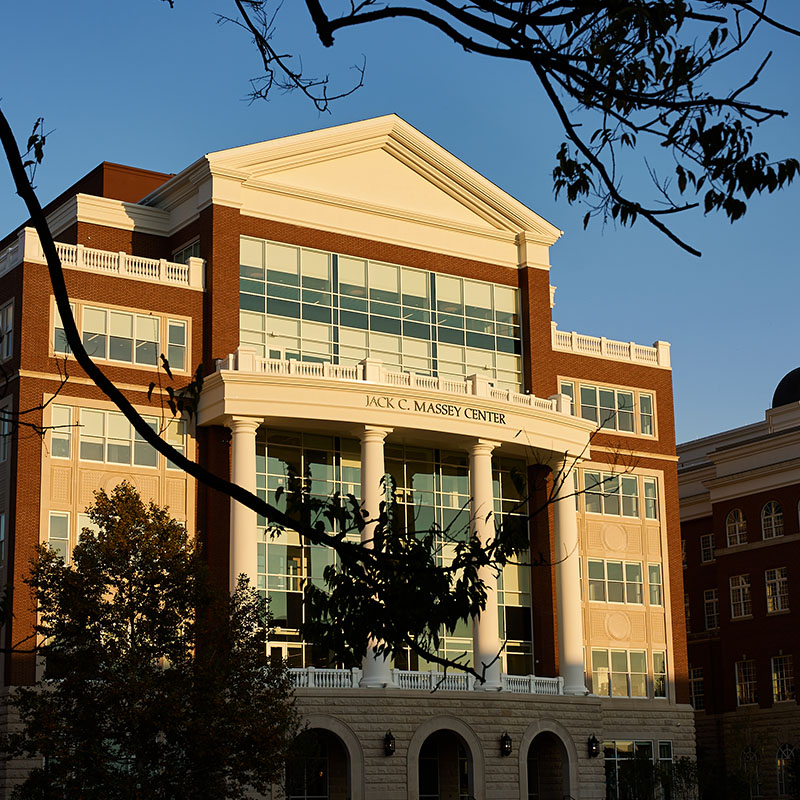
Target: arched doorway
(445, 768)
(548, 768)
(318, 767)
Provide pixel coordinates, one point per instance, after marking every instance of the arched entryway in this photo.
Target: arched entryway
(547, 762)
(318, 767)
(446, 771)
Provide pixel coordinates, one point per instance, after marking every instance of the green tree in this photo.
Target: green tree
(153, 685)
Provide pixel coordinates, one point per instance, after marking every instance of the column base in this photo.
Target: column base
(578, 689)
(375, 683)
(488, 686)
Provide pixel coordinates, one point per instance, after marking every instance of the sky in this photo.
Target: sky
(139, 83)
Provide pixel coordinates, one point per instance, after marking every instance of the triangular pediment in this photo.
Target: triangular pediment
(386, 165)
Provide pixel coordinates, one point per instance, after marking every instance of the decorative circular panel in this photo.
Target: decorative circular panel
(614, 537)
(618, 626)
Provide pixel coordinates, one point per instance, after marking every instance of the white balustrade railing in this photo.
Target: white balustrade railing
(569, 341)
(374, 371)
(27, 247)
(431, 681)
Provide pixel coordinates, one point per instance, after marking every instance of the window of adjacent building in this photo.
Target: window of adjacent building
(610, 408)
(659, 673)
(711, 608)
(771, 520)
(684, 562)
(697, 695)
(749, 764)
(686, 610)
(618, 495)
(784, 759)
(7, 331)
(746, 688)
(782, 678)
(2, 538)
(619, 673)
(5, 433)
(654, 582)
(305, 304)
(58, 535)
(125, 336)
(741, 603)
(615, 581)
(183, 255)
(707, 548)
(777, 585)
(736, 527)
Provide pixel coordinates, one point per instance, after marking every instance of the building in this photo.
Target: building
(362, 302)
(739, 493)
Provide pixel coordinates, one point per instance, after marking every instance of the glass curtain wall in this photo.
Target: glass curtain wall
(431, 489)
(316, 306)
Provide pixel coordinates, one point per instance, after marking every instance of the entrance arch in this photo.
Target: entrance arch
(445, 762)
(548, 762)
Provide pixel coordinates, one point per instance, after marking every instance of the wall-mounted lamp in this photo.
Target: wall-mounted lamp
(593, 746)
(505, 744)
(389, 744)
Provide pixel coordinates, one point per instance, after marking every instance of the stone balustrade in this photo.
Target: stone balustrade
(598, 346)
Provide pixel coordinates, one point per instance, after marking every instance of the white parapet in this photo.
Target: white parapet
(657, 355)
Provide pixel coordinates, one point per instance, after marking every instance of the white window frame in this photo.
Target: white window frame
(746, 682)
(782, 667)
(741, 597)
(67, 548)
(707, 553)
(7, 331)
(736, 527)
(697, 689)
(656, 588)
(711, 609)
(771, 520)
(629, 586)
(777, 589)
(608, 672)
(603, 416)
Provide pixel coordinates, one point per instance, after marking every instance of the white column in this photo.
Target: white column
(376, 670)
(568, 588)
(486, 642)
(244, 533)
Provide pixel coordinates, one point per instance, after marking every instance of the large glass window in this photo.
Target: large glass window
(615, 581)
(306, 304)
(619, 673)
(612, 409)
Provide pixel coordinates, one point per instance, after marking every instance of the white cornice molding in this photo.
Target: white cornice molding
(109, 213)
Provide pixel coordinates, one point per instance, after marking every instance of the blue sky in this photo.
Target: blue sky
(140, 84)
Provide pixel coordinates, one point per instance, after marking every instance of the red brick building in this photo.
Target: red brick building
(364, 303)
(740, 491)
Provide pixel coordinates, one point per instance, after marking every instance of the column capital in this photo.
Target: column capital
(372, 433)
(483, 446)
(243, 424)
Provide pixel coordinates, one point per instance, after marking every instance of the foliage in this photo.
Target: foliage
(621, 76)
(153, 686)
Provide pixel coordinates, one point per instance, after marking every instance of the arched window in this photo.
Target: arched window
(749, 763)
(783, 764)
(772, 520)
(736, 527)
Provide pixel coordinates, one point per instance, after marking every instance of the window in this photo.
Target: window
(61, 432)
(684, 562)
(782, 678)
(185, 253)
(623, 767)
(697, 695)
(736, 528)
(612, 409)
(749, 763)
(741, 605)
(58, 537)
(711, 606)
(7, 331)
(615, 581)
(5, 433)
(108, 436)
(707, 548)
(746, 688)
(686, 610)
(772, 520)
(2, 538)
(659, 673)
(777, 590)
(783, 763)
(650, 498)
(611, 494)
(654, 581)
(619, 673)
(125, 336)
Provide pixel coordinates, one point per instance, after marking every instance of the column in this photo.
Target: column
(244, 532)
(376, 670)
(568, 588)
(486, 642)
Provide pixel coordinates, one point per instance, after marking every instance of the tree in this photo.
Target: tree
(153, 685)
(619, 75)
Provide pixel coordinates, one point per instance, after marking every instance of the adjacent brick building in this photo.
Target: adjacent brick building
(364, 303)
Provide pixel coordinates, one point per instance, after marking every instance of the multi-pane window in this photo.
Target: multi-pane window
(624, 775)
(736, 527)
(654, 582)
(618, 495)
(5, 433)
(612, 409)
(771, 520)
(707, 548)
(58, 535)
(697, 696)
(310, 305)
(711, 608)
(782, 678)
(61, 432)
(659, 673)
(185, 253)
(2, 538)
(7, 331)
(615, 581)
(746, 687)
(125, 336)
(741, 603)
(619, 673)
(783, 763)
(749, 765)
(777, 585)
